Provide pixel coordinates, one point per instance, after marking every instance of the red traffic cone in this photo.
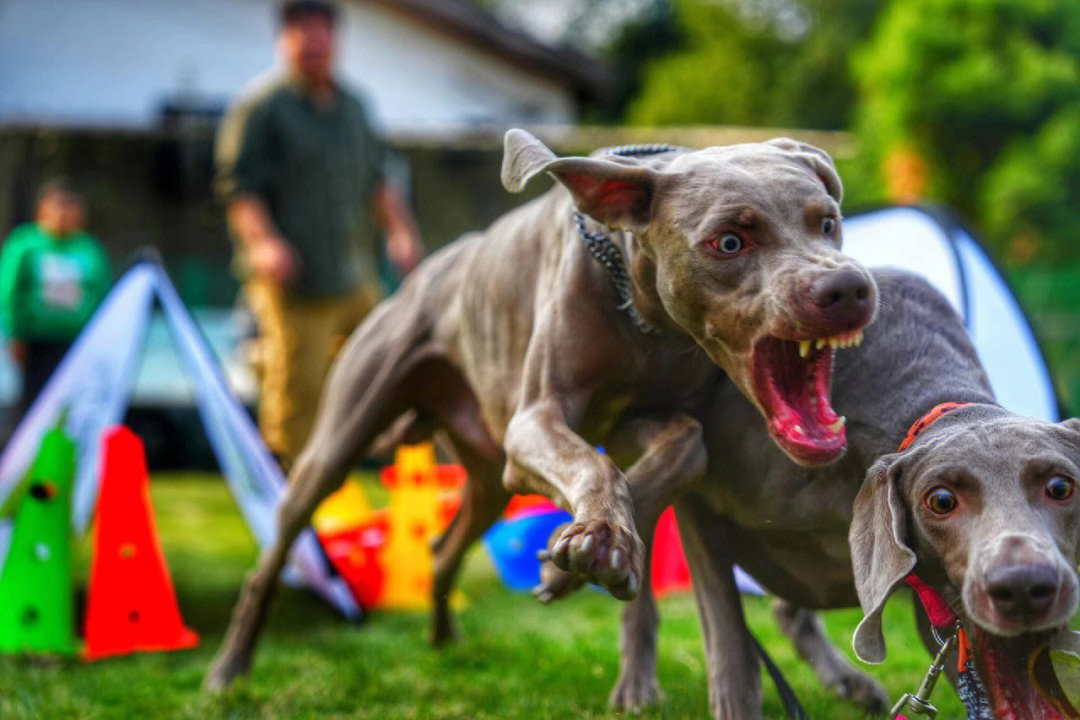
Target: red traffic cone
(669, 570)
(131, 605)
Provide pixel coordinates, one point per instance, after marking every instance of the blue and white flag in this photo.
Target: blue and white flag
(93, 386)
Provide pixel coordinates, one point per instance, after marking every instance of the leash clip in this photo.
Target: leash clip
(919, 702)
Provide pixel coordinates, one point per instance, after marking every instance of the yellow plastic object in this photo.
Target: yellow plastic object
(345, 509)
(414, 523)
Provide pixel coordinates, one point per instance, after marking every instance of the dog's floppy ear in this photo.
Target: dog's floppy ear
(618, 194)
(880, 559)
(817, 160)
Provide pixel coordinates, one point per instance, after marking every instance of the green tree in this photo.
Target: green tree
(988, 93)
(774, 63)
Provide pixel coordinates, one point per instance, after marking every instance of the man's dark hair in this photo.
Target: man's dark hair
(294, 11)
(58, 184)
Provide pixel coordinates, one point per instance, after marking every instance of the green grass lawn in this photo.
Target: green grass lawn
(514, 659)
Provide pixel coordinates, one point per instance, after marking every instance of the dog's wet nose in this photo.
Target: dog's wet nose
(845, 295)
(1022, 592)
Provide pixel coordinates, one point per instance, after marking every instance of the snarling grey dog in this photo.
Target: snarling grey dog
(519, 344)
(982, 507)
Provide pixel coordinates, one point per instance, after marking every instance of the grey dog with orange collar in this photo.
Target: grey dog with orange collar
(982, 506)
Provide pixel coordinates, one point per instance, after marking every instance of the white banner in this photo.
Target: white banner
(93, 386)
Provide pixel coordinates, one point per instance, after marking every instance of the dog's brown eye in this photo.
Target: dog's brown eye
(941, 501)
(1060, 488)
(828, 225)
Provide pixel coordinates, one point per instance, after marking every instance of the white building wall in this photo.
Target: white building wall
(112, 62)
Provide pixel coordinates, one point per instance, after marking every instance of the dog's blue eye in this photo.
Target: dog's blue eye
(941, 501)
(729, 244)
(1060, 488)
(828, 225)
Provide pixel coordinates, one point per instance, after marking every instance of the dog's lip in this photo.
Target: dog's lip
(791, 386)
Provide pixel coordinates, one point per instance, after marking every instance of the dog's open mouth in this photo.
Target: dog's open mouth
(791, 380)
(1019, 677)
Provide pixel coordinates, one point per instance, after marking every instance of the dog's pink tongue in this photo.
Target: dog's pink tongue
(1009, 667)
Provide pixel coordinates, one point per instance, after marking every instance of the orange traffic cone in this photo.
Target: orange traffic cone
(131, 605)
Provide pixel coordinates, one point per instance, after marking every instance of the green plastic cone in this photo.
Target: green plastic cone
(36, 613)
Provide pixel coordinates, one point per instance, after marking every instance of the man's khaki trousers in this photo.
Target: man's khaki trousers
(298, 339)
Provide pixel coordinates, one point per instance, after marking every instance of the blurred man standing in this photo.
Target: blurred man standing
(52, 277)
(301, 171)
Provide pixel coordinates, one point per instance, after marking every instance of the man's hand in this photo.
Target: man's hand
(403, 245)
(403, 249)
(270, 256)
(273, 259)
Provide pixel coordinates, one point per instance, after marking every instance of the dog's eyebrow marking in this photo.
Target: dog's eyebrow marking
(745, 217)
(817, 209)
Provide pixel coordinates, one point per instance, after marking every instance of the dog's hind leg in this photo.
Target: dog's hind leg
(361, 397)
(673, 460)
(833, 670)
(444, 400)
(483, 499)
(670, 458)
(733, 666)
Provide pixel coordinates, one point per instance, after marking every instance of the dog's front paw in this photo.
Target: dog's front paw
(862, 690)
(635, 692)
(602, 552)
(555, 583)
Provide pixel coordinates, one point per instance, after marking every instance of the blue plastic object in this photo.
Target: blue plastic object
(513, 545)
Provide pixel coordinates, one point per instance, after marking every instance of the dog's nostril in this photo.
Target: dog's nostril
(1043, 590)
(840, 290)
(1022, 591)
(1000, 593)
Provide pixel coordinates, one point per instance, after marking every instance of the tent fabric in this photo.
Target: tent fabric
(929, 242)
(90, 392)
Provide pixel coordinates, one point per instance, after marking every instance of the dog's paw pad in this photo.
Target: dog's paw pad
(863, 691)
(601, 552)
(555, 583)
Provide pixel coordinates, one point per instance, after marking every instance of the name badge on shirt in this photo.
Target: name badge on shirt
(61, 281)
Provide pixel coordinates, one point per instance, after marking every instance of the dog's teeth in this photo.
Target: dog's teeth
(821, 342)
(837, 426)
(858, 339)
(804, 347)
(798, 430)
(834, 343)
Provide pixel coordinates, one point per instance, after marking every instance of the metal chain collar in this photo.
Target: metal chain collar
(608, 254)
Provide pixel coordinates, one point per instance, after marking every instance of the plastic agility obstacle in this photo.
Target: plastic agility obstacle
(385, 555)
(36, 613)
(131, 604)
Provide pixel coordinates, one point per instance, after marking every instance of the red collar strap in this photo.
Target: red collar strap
(926, 421)
(937, 610)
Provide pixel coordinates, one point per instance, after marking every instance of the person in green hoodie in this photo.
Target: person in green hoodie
(52, 277)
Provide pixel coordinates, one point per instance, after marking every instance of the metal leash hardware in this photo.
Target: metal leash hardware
(608, 254)
(919, 702)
